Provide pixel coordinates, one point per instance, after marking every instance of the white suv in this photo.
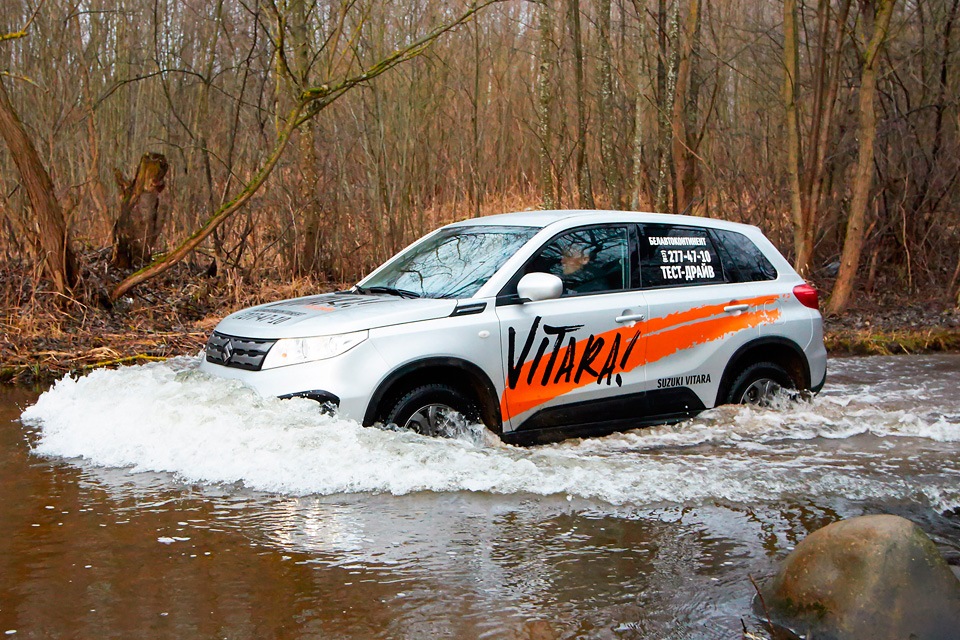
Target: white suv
(543, 325)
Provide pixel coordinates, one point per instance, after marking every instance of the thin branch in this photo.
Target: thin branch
(120, 83)
(409, 52)
(22, 33)
(22, 78)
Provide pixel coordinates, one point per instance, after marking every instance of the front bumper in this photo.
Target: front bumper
(346, 381)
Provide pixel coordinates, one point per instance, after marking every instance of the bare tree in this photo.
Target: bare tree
(879, 15)
(545, 61)
(640, 186)
(584, 186)
(308, 102)
(667, 98)
(791, 68)
(806, 171)
(607, 153)
(685, 143)
(59, 263)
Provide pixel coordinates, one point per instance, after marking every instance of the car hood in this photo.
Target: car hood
(329, 314)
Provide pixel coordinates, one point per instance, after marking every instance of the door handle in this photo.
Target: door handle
(630, 317)
(734, 308)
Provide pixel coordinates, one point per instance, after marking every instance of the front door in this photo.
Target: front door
(566, 358)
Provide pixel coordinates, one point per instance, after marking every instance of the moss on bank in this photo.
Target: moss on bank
(892, 342)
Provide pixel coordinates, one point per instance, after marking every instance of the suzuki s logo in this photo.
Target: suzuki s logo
(227, 351)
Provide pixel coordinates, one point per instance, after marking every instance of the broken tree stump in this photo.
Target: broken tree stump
(137, 227)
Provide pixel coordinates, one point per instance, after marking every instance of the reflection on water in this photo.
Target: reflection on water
(187, 507)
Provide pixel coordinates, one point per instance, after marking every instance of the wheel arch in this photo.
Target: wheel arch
(454, 371)
(781, 351)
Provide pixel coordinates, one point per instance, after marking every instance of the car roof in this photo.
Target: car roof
(543, 218)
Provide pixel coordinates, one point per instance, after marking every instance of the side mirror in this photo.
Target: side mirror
(539, 286)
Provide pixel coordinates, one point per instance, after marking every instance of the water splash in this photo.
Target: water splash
(888, 438)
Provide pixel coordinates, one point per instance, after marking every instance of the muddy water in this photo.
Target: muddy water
(156, 502)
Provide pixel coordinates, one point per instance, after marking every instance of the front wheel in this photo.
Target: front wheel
(759, 384)
(433, 410)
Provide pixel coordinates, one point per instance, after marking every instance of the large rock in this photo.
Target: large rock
(872, 577)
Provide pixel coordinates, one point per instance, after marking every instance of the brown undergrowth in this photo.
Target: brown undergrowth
(44, 337)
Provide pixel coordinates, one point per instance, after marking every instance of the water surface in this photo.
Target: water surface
(154, 501)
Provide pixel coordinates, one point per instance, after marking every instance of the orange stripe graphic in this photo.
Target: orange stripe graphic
(655, 325)
(611, 353)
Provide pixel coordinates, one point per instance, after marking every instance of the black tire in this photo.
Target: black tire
(427, 409)
(758, 384)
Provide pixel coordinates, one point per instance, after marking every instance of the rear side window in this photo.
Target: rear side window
(677, 256)
(745, 261)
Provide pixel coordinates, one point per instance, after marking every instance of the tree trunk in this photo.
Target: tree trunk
(201, 141)
(308, 257)
(544, 104)
(666, 168)
(584, 186)
(863, 180)
(138, 226)
(824, 107)
(683, 124)
(476, 183)
(59, 263)
(791, 69)
(641, 194)
(661, 99)
(607, 151)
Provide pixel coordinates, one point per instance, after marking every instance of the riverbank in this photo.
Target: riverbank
(919, 326)
(41, 341)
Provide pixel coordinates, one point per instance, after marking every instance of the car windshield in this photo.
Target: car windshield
(454, 263)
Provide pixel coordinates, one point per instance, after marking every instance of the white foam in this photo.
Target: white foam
(169, 417)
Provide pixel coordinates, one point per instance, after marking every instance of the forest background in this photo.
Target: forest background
(165, 161)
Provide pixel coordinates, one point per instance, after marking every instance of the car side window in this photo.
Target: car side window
(676, 256)
(588, 260)
(747, 263)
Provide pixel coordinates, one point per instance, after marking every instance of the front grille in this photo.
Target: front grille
(240, 353)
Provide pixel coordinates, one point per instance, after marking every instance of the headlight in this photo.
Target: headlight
(297, 350)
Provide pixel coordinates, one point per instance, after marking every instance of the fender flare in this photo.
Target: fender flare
(482, 385)
(734, 363)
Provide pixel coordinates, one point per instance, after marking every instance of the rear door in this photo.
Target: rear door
(697, 317)
(567, 358)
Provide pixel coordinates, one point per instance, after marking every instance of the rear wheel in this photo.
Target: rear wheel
(433, 410)
(758, 384)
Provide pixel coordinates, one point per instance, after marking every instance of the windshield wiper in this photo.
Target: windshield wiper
(393, 291)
